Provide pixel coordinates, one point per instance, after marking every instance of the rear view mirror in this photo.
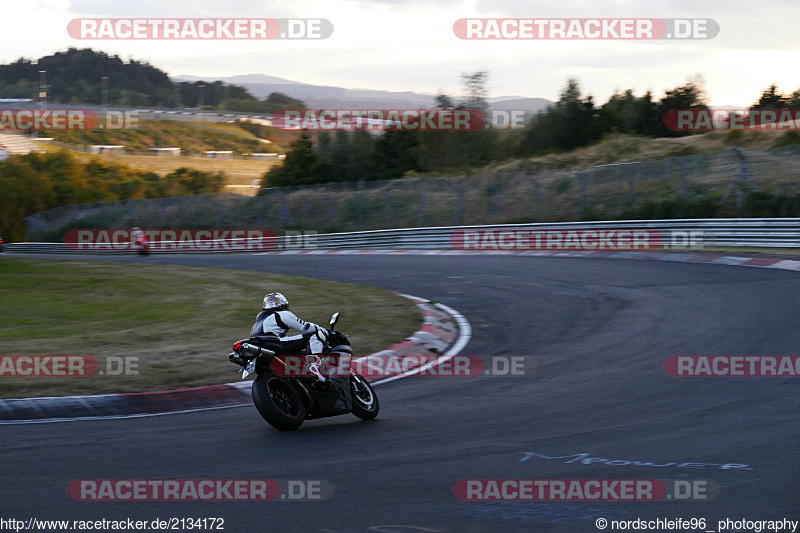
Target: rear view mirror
(334, 319)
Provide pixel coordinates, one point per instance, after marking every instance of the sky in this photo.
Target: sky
(404, 45)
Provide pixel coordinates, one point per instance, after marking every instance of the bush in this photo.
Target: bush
(733, 136)
(787, 139)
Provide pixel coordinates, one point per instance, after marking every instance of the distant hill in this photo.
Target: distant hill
(328, 96)
(241, 79)
(85, 76)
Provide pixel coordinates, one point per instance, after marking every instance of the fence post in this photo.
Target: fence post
(263, 210)
(457, 205)
(683, 177)
(389, 205)
(631, 177)
(163, 211)
(183, 204)
(151, 209)
(783, 159)
(421, 202)
(359, 206)
(304, 200)
(536, 195)
(331, 211)
(494, 190)
(198, 212)
(284, 216)
(743, 180)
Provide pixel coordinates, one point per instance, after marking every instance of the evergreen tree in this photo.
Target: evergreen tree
(772, 99)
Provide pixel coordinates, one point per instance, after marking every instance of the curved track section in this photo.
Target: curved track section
(599, 405)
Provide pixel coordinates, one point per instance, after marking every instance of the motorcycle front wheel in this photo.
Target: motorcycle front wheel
(365, 401)
(279, 402)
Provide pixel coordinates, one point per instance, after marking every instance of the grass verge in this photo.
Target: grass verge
(178, 322)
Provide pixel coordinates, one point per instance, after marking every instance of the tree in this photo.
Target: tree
(333, 157)
(477, 92)
(298, 167)
(281, 101)
(362, 156)
(647, 120)
(794, 100)
(473, 147)
(691, 95)
(395, 153)
(627, 113)
(437, 149)
(444, 102)
(772, 99)
(571, 122)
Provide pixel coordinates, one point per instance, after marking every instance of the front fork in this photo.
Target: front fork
(313, 366)
(330, 364)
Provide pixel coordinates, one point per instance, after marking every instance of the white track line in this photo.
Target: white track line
(464, 335)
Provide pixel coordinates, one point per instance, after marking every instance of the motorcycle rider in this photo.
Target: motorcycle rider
(275, 320)
(139, 240)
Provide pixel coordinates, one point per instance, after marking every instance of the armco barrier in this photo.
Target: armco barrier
(750, 232)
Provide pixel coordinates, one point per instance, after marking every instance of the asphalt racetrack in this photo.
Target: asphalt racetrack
(598, 332)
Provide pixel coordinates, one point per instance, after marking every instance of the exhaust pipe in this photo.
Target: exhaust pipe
(254, 351)
(234, 358)
(250, 351)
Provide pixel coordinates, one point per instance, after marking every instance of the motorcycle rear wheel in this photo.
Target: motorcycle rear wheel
(279, 402)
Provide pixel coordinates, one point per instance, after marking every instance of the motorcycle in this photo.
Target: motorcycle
(287, 393)
(142, 247)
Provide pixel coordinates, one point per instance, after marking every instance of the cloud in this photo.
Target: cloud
(183, 8)
(768, 24)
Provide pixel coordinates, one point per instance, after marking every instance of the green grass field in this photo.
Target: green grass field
(180, 322)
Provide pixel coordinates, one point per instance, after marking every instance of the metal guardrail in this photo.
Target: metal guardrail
(753, 232)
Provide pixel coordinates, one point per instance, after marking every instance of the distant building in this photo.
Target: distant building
(166, 152)
(219, 154)
(267, 157)
(17, 144)
(106, 149)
